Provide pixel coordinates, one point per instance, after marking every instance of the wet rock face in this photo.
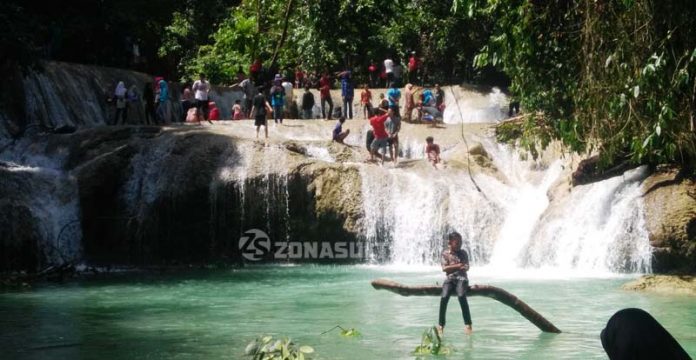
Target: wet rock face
(670, 206)
(22, 226)
(154, 196)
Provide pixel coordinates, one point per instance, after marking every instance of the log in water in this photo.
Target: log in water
(475, 290)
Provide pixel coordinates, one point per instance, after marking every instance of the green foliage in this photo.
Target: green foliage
(611, 76)
(509, 132)
(431, 344)
(267, 348)
(332, 34)
(233, 44)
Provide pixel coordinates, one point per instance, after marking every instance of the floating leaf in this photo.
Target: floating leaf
(306, 349)
(608, 61)
(350, 332)
(252, 348)
(658, 130)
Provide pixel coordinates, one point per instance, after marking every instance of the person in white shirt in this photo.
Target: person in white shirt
(200, 90)
(288, 87)
(389, 70)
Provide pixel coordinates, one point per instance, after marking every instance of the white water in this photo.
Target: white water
(511, 226)
(473, 107)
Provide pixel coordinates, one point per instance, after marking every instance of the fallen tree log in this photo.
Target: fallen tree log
(474, 290)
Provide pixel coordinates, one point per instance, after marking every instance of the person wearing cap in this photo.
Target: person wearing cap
(455, 263)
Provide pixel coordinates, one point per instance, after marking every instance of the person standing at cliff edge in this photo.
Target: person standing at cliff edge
(200, 92)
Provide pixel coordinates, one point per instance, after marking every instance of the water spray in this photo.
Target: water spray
(468, 155)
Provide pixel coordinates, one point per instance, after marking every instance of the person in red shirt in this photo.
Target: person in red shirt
(324, 80)
(325, 95)
(366, 101)
(299, 78)
(214, 112)
(255, 71)
(381, 136)
(432, 151)
(372, 70)
(413, 64)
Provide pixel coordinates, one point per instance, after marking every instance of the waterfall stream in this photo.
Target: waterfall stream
(524, 217)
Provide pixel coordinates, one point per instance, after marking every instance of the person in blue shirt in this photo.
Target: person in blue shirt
(347, 93)
(428, 106)
(394, 95)
(338, 134)
(277, 100)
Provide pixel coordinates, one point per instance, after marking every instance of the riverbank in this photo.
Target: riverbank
(664, 284)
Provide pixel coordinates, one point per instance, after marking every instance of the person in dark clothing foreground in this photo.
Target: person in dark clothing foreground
(633, 334)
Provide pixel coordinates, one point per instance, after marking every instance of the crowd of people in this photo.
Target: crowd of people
(265, 97)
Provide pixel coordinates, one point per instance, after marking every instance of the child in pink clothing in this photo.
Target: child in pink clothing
(237, 111)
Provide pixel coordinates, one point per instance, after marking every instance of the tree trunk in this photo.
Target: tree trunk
(286, 20)
(474, 290)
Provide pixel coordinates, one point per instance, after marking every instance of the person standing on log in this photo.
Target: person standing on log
(455, 263)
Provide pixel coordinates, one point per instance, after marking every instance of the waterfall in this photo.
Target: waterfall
(512, 224)
(475, 106)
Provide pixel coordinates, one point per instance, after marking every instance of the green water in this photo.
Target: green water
(213, 315)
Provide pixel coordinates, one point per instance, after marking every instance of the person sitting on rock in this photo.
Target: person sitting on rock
(237, 113)
(193, 115)
(214, 112)
(338, 134)
(432, 151)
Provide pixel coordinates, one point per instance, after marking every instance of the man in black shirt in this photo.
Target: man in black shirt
(260, 108)
(455, 263)
(307, 104)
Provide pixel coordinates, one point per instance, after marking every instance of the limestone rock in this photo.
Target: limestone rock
(670, 214)
(664, 284)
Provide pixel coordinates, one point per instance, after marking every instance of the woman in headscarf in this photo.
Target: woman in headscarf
(632, 334)
(120, 99)
(187, 102)
(162, 103)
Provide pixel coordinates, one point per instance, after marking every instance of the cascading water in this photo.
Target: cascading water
(511, 224)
